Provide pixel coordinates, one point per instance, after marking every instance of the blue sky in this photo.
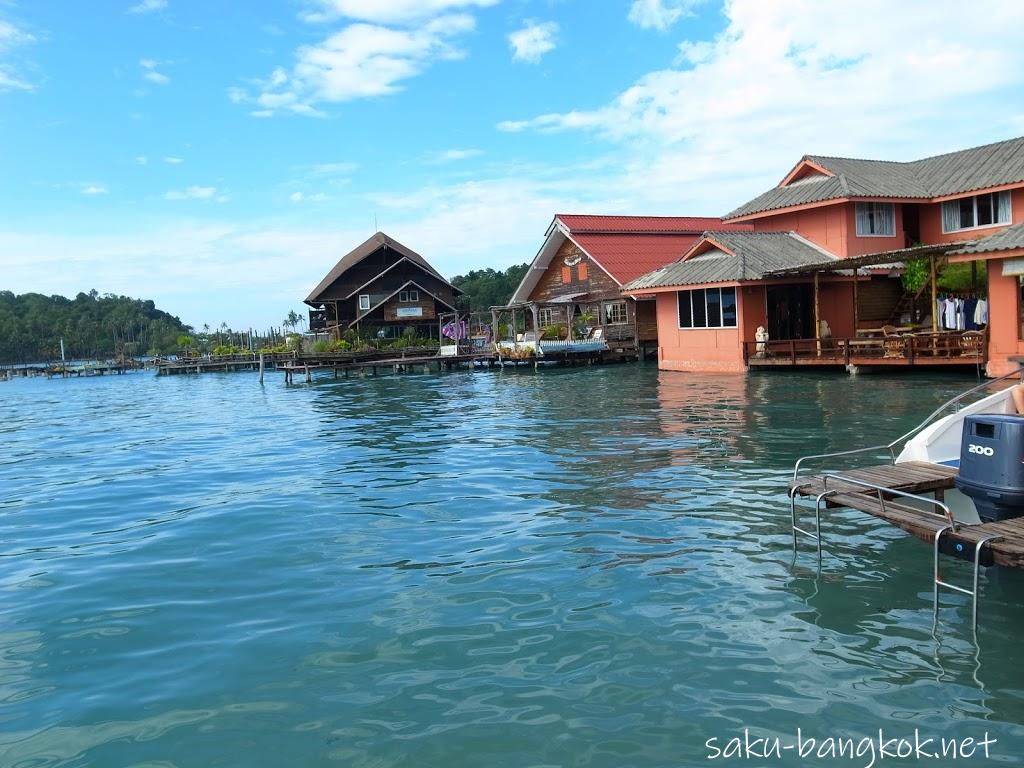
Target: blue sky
(220, 156)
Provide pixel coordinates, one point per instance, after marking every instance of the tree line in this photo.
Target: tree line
(486, 288)
(32, 326)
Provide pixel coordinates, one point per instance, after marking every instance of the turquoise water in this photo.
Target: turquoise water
(588, 567)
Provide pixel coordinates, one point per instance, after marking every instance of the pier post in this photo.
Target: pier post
(261, 367)
(309, 375)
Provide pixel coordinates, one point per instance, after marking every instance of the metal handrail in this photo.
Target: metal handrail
(880, 489)
(902, 438)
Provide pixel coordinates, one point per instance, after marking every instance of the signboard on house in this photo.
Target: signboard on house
(409, 312)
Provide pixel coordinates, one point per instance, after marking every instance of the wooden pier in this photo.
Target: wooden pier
(880, 491)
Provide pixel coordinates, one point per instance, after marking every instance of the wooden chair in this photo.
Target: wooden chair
(972, 343)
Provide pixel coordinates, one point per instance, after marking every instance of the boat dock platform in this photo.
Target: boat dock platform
(895, 493)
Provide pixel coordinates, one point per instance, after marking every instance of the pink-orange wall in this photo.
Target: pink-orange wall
(825, 226)
(1004, 320)
(834, 228)
(706, 349)
(931, 222)
(836, 307)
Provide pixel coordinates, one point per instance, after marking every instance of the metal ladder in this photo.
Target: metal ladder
(881, 492)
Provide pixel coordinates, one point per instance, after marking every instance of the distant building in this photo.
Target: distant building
(381, 288)
(586, 259)
(793, 274)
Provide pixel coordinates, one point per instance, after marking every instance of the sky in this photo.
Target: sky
(219, 156)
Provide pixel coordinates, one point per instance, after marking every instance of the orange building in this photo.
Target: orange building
(817, 280)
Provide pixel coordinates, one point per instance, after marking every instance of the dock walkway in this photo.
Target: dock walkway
(881, 491)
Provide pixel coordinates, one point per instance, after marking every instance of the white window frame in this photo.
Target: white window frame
(625, 312)
(364, 302)
(870, 211)
(690, 293)
(403, 297)
(414, 295)
(545, 317)
(974, 199)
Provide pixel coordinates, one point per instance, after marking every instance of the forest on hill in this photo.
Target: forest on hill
(92, 326)
(486, 288)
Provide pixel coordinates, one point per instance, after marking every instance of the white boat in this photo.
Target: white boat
(937, 440)
(939, 443)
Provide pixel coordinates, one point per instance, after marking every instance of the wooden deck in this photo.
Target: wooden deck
(917, 478)
(942, 348)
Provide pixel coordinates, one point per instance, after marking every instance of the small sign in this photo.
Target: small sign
(409, 312)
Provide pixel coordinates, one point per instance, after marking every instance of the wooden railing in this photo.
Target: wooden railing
(920, 348)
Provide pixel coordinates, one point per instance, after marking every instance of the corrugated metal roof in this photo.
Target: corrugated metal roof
(586, 222)
(753, 255)
(1009, 239)
(626, 257)
(362, 251)
(959, 172)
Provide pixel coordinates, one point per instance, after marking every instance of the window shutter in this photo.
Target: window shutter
(583, 270)
(566, 275)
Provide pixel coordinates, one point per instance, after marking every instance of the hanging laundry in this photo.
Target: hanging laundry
(949, 314)
(970, 307)
(981, 312)
(456, 329)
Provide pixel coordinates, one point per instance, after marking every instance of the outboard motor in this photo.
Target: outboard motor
(992, 465)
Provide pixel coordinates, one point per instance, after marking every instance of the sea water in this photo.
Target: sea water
(566, 567)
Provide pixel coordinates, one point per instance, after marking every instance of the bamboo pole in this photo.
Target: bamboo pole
(935, 294)
(817, 313)
(856, 309)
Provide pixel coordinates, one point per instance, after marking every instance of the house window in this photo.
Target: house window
(876, 219)
(406, 297)
(546, 317)
(615, 313)
(566, 275)
(707, 308)
(582, 270)
(986, 210)
(364, 301)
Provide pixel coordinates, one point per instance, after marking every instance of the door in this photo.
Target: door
(790, 312)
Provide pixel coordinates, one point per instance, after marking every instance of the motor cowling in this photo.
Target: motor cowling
(992, 465)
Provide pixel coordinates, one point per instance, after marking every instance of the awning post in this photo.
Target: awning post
(935, 294)
(817, 313)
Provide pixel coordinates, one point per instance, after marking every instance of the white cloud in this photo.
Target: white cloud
(173, 160)
(360, 61)
(94, 189)
(453, 155)
(12, 37)
(148, 6)
(530, 43)
(192, 193)
(142, 160)
(735, 112)
(659, 14)
(149, 72)
(333, 169)
(298, 197)
(387, 11)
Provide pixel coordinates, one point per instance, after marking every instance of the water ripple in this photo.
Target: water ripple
(571, 567)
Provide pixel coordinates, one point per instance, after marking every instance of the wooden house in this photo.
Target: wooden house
(585, 260)
(381, 289)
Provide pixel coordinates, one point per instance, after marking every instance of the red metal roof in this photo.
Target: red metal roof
(631, 246)
(627, 256)
(579, 222)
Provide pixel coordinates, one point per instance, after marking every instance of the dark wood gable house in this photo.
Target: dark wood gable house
(381, 289)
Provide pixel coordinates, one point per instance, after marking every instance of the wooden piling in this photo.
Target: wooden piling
(261, 367)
